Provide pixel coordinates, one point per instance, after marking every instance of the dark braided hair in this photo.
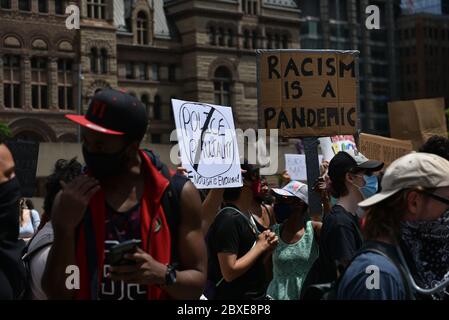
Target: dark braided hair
(65, 170)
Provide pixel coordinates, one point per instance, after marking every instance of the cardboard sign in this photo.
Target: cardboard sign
(208, 144)
(308, 92)
(417, 120)
(330, 146)
(295, 164)
(25, 154)
(383, 149)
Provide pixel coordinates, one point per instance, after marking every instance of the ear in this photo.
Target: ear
(414, 203)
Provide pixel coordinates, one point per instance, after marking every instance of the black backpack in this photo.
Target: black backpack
(328, 291)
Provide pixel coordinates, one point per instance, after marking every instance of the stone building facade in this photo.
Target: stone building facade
(202, 50)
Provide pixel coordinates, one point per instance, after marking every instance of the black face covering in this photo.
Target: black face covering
(9, 209)
(105, 164)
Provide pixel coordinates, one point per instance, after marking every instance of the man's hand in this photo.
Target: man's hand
(146, 271)
(267, 241)
(72, 201)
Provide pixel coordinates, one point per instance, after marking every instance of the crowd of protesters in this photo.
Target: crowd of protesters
(384, 231)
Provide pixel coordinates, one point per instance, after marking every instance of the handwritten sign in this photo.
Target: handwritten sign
(308, 92)
(208, 144)
(295, 164)
(330, 146)
(383, 149)
(25, 154)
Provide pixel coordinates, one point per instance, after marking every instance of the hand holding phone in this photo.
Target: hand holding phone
(116, 255)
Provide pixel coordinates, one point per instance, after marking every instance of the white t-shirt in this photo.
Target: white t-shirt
(38, 261)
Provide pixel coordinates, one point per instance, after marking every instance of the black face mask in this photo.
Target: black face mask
(105, 164)
(9, 209)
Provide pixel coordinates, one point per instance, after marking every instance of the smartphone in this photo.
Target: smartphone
(116, 255)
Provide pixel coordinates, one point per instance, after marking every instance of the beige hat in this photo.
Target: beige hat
(412, 170)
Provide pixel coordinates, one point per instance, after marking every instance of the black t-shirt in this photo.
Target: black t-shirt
(231, 232)
(340, 239)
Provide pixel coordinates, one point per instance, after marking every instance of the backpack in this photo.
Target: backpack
(328, 291)
(26, 259)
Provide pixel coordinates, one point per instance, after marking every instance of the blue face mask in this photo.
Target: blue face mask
(333, 201)
(371, 186)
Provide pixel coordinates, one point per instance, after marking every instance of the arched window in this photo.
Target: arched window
(246, 39)
(142, 28)
(104, 61)
(212, 35)
(157, 109)
(12, 87)
(93, 60)
(39, 83)
(96, 9)
(222, 86)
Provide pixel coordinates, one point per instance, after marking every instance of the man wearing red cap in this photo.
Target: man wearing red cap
(120, 199)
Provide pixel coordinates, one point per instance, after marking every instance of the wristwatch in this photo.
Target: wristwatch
(170, 276)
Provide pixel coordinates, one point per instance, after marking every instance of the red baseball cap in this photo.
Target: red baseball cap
(114, 112)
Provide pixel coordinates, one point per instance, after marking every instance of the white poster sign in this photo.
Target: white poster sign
(208, 144)
(295, 164)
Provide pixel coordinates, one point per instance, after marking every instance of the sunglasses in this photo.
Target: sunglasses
(436, 197)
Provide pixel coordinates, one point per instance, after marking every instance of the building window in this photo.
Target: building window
(172, 73)
(157, 109)
(142, 28)
(277, 41)
(155, 72)
(146, 102)
(212, 35)
(269, 41)
(285, 42)
(65, 84)
(25, 5)
(221, 37)
(129, 70)
(93, 57)
(246, 39)
(96, 9)
(43, 6)
(11, 81)
(5, 4)
(60, 6)
(39, 83)
(104, 61)
(230, 38)
(222, 86)
(143, 74)
(250, 7)
(254, 40)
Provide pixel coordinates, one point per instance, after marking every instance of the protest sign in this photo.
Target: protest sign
(208, 144)
(383, 149)
(295, 164)
(417, 120)
(306, 93)
(25, 154)
(330, 146)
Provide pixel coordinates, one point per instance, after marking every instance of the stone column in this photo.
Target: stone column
(26, 82)
(2, 102)
(53, 83)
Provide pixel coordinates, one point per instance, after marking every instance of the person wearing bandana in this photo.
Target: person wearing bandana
(12, 271)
